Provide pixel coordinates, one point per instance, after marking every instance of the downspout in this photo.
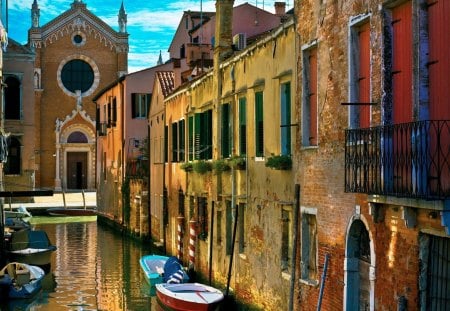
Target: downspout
(122, 116)
(149, 183)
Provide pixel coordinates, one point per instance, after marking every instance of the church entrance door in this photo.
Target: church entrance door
(77, 170)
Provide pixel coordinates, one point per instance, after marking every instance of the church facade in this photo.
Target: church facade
(75, 55)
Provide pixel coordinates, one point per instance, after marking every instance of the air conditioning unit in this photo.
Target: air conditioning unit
(240, 41)
(102, 129)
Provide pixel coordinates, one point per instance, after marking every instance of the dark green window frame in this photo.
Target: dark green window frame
(242, 126)
(285, 100)
(259, 124)
(226, 131)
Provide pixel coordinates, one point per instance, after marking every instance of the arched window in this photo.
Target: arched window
(12, 99)
(77, 137)
(12, 166)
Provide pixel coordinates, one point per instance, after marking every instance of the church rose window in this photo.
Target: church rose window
(77, 75)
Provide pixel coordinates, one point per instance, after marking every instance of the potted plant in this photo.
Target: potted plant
(237, 162)
(220, 166)
(186, 166)
(202, 166)
(279, 162)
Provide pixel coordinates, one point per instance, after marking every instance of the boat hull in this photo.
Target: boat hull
(152, 266)
(26, 282)
(71, 212)
(33, 256)
(189, 296)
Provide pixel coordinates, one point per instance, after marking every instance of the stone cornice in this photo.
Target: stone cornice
(79, 20)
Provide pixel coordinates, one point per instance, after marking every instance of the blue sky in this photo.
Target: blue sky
(151, 24)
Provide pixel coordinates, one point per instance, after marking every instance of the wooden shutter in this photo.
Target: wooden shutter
(181, 141)
(242, 126)
(286, 118)
(364, 75)
(175, 142)
(226, 131)
(259, 124)
(191, 138)
(313, 97)
(402, 64)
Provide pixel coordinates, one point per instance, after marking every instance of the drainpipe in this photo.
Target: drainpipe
(122, 131)
(294, 250)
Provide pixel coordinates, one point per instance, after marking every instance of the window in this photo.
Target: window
(77, 75)
(202, 218)
(228, 227)
(309, 247)
(359, 78)
(259, 124)
(12, 166)
(175, 142)
(286, 238)
(310, 97)
(219, 227)
(12, 98)
(242, 126)
(114, 112)
(77, 137)
(226, 131)
(285, 99)
(241, 227)
(140, 104)
(181, 141)
(181, 202)
(200, 136)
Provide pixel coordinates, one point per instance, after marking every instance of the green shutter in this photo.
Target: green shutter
(166, 143)
(242, 126)
(286, 118)
(191, 138)
(197, 137)
(181, 141)
(226, 150)
(259, 124)
(175, 142)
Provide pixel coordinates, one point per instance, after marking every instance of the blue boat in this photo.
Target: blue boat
(153, 267)
(20, 281)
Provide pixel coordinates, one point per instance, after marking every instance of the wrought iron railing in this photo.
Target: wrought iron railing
(405, 160)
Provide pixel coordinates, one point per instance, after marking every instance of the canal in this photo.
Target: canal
(94, 268)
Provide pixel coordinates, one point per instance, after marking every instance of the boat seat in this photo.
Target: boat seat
(22, 276)
(11, 268)
(19, 240)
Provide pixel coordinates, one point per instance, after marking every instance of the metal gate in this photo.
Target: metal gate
(438, 285)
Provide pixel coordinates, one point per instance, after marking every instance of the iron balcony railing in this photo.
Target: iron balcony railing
(409, 160)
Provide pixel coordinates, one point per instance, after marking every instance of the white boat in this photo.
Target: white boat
(19, 280)
(189, 296)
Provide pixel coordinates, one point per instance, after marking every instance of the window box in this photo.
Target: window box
(279, 162)
(187, 166)
(220, 166)
(202, 167)
(237, 162)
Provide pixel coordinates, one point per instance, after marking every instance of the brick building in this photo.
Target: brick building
(74, 55)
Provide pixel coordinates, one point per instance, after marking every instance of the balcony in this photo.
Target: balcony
(410, 160)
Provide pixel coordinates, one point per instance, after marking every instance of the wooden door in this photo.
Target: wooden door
(77, 170)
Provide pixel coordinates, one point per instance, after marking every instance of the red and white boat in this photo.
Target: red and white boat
(189, 296)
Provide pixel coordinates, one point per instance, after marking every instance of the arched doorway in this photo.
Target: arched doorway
(359, 268)
(77, 163)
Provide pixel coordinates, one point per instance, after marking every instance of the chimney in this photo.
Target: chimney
(223, 34)
(280, 8)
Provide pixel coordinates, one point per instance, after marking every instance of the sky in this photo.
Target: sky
(151, 23)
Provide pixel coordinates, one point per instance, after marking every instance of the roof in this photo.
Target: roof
(166, 80)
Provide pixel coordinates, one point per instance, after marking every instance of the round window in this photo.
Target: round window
(77, 39)
(77, 75)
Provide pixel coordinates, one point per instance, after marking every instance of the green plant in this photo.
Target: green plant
(186, 166)
(220, 166)
(237, 162)
(202, 166)
(279, 162)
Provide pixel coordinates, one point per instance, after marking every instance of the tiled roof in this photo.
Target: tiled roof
(166, 80)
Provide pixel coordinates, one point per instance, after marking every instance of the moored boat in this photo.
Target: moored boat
(31, 246)
(189, 296)
(19, 280)
(74, 211)
(153, 267)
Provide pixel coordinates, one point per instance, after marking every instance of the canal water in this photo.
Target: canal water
(93, 268)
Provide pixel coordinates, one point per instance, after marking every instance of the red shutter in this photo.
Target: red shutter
(402, 64)
(313, 97)
(364, 75)
(439, 58)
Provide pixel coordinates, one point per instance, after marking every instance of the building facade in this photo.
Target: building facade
(74, 55)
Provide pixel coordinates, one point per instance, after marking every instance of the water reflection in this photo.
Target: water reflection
(94, 268)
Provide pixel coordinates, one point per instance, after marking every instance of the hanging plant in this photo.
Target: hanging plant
(237, 162)
(186, 166)
(220, 166)
(279, 162)
(202, 166)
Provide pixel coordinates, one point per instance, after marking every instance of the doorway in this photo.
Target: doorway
(77, 170)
